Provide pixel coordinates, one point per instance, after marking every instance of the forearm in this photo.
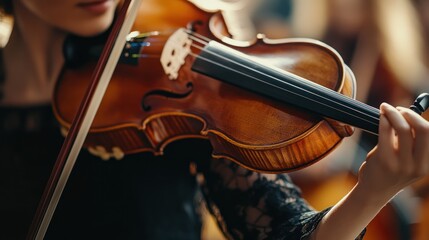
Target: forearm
(349, 217)
(400, 158)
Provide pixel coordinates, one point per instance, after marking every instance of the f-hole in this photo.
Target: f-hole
(167, 94)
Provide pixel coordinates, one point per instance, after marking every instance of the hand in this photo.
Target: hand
(401, 155)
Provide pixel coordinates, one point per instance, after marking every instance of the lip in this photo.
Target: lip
(95, 7)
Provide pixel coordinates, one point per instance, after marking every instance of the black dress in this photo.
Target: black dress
(141, 196)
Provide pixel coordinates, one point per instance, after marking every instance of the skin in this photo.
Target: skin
(400, 158)
(70, 15)
(38, 49)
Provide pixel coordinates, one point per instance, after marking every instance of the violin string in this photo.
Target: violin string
(198, 38)
(345, 99)
(375, 111)
(196, 35)
(205, 40)
(352, 101)
(289, 91)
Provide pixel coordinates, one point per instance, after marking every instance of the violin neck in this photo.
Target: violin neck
(233, 67)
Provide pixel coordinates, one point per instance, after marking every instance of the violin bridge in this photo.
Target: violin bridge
(175, 50)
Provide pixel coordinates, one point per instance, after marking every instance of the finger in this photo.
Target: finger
(414, 119)
(403, 131)
(421, 134)
(385, 132)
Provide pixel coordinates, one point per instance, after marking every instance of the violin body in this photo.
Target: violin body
(144, 110)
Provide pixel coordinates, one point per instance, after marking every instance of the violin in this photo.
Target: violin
(274, 106)
(280, 105)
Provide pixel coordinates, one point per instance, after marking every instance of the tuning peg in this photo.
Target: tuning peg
(421, 103)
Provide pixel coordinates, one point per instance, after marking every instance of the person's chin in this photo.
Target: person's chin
(92, 27)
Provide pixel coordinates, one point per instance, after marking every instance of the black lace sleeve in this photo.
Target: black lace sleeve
(251, 205)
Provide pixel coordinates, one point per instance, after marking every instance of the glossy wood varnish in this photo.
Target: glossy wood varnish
(259, 133)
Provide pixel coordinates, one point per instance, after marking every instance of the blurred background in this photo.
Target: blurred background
(385, 43)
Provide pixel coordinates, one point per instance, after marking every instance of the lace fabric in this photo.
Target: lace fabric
(251, 205)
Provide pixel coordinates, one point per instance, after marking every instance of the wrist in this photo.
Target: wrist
(372, 196)
(349, 217)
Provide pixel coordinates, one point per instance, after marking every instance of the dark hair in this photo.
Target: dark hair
(6, 6)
